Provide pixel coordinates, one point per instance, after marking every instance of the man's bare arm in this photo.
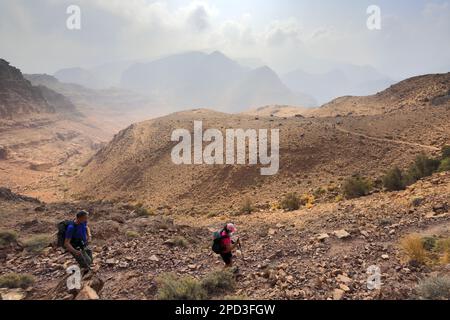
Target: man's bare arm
(89, 235)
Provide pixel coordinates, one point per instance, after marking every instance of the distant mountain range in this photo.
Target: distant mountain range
(197, 79)
(213, 80)
(344, 80)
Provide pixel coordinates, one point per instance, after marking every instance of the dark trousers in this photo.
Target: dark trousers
(85, 259)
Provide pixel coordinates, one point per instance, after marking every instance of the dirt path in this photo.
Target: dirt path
(412, 144)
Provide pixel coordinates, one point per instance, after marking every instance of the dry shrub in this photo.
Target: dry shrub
(172, 287)
(247, 207)
(290, 202)
(15, 280)
(413, 247)
(434, 288)
(7, 237)
(37, 243)
(356, 187)
(218, 282)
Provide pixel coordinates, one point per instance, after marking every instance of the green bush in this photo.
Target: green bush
(7, 237)
(172, 287)
(218, 282)
(356, 187)
(429, 243)
(421, 168)
(393, 180)
(36, 244)
(435, 288)
(445, 165)
(290, 202)
(131, 234)
(15, 280)
(446, 152)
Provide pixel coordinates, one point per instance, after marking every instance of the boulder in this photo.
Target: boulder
(87, 293)
(341, 234)
(338, 294)
(12, 294)
(154, 258)
(96, 283)
(343, 279)
(322, 236)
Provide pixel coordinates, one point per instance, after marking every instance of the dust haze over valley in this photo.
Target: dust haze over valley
(88, 125)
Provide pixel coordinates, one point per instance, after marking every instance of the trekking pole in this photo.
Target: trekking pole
(240, 249)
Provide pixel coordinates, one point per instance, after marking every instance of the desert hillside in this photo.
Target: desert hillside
(44, 136)
(150, 217)
(279, 111)
(315, 153)
(319, 253)
(414, 93)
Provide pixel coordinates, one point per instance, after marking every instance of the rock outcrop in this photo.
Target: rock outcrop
(18, 97)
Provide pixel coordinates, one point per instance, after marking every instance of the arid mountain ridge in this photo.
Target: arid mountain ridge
(19, 98)
(315, 151)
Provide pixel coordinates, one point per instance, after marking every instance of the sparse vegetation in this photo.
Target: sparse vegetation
(37, 243)
(15, 280)
(130, 234)
(163, 222)
(180, 241)
(429, 250)
(422, 167)
(307, 200)
(413, 247)
(434, 288)
(247, 207)
(290, 202)
(319, 192)
(7, 237)
(429, 243)
(356, 187)
(141, 211)
(443, 249)
(445, 165)
(393, 180)
(172, 287)
(218, 282)
(446, 152)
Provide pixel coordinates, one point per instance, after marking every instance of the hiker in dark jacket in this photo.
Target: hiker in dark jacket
(228, 245)
(77, 239)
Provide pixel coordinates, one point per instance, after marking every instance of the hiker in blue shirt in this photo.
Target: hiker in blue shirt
(77, 238)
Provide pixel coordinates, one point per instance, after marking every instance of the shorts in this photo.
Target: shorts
(227, 257)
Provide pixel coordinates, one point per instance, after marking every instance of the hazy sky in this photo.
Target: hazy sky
(284, 34)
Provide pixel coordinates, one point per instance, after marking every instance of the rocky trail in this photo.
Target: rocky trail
(318, 253)
(411, 144)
